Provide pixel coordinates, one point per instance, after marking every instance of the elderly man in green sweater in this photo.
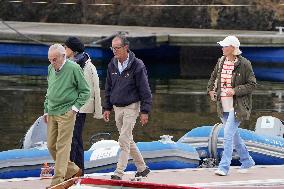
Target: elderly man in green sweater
(67, 92)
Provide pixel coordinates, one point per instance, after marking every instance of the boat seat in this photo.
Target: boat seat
(269, 126)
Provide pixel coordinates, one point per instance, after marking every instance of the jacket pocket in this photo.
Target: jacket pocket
(246, 103)
(241, 108)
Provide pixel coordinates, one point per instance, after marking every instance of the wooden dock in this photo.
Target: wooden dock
(141, 37)
(256, 177)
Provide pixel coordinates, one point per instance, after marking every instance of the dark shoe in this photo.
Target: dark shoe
(143, 173)
(78, 174)
(69, 183)
(115, 177)
(56, 187)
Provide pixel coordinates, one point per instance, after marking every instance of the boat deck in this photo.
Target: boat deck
(256, 177)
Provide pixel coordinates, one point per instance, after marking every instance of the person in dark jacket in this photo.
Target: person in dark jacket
(127, 91)
(75, 51)
(231, 85)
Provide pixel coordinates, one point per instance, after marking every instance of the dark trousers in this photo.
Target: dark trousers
(77, 147)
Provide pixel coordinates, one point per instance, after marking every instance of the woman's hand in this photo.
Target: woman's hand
(212, 95)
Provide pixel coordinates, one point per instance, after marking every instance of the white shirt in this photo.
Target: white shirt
(123, 65)
(61, 66)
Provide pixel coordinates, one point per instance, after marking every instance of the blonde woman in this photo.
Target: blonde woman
(231, 85)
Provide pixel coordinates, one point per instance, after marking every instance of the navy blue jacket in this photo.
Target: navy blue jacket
(128, 87)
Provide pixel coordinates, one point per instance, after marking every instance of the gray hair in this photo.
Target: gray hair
(124, 40)
(59, 48)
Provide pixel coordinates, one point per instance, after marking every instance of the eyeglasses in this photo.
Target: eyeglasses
(115, 48)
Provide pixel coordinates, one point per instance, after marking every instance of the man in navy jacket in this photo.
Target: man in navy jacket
(127, 91)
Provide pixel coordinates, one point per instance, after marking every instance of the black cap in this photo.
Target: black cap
(75, 44)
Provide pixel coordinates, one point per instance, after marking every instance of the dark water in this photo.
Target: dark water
(178, 106)
(179, 100)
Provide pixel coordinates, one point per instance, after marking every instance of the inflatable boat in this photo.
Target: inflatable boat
(101, 157)
(265, 144)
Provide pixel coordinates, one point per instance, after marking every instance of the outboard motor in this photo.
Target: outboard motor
(269, 126)
(36, 135)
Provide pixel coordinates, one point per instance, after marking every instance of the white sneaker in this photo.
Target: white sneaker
(220, 172)
(243, 171)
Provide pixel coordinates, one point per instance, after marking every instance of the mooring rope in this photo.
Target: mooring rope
(23, 35)
(46, 44)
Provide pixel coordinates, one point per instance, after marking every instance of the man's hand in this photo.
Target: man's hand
(45, 118)
(144, 119)
(212, 95)
(106, 116)
(230, 92)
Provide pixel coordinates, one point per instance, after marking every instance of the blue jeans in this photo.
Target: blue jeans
(232, 138)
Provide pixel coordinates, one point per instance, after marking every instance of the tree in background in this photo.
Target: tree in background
(255, 15)
(259, 15)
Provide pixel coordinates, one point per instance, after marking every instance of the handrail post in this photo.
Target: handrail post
(280, 29)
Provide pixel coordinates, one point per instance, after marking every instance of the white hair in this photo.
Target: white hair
(58, 48)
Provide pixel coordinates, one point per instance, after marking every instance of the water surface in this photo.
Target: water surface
(178, 106)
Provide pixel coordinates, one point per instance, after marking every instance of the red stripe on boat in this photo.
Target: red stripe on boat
(134, 184)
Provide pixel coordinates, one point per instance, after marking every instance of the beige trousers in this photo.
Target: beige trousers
(59, 137)
(125, 118)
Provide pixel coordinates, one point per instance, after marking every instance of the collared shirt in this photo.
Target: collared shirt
(61, 66)
(123, 65)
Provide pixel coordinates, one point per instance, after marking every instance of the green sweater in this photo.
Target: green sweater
(66, 88)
